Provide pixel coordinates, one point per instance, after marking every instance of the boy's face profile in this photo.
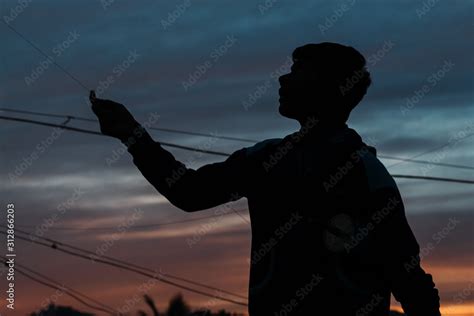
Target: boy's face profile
(300, 91)
(313, 88)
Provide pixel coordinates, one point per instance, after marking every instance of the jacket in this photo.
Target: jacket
(329, 231)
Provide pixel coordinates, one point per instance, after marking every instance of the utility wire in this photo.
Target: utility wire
(404, 176)
(171, 276)
(162, 129)
(402, 160)
(73, 117)
(45, 55)
(127, 267)
(64, 290)
(79, 118)
(425, 162)
(202, 134)
(37, 48)
(427, 152)
(63, 286)
(155, 225)
(81, 130)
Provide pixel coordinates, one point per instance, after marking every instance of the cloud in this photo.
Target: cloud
(154, 83)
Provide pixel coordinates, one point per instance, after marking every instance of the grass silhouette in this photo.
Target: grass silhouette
(177, 307)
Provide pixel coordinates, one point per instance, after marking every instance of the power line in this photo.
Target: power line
(137, 226)
(426, 162)
(37, 48)
(127, 267)
(79, 118)
(402, 160)
(63, 286)
(171, 276)
(141, 267)
(73, 117)
(204, 134)
(427, 152)
(86, 131)
(200, 134)
(162, 129)
(404, 176)
(45, 55)
(124, 265)
(65, 290)
(81, 130)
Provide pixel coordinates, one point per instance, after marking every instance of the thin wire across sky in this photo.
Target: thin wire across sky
(75, 251)
(83, 86)
(121, 264)
(218, 153)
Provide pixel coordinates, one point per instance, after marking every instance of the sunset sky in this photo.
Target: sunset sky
(209, 66)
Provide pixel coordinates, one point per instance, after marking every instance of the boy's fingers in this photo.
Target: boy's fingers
(92, 96)
(102, 103)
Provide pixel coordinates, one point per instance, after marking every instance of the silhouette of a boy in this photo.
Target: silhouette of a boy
(329, 232)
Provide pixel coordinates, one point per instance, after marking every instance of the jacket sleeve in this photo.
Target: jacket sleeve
(188, 189)
(409, 283)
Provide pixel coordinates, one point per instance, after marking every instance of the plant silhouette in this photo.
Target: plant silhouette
(177, 307)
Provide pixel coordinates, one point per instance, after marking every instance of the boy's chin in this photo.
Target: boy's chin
(285, 110)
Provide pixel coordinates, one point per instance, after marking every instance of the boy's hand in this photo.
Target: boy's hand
(115, 120)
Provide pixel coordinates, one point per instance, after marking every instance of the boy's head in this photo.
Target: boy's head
(326, 81)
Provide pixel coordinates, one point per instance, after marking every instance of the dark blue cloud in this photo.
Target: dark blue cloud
(173, 40)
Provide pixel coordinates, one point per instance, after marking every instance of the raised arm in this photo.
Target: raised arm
(188, 189)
